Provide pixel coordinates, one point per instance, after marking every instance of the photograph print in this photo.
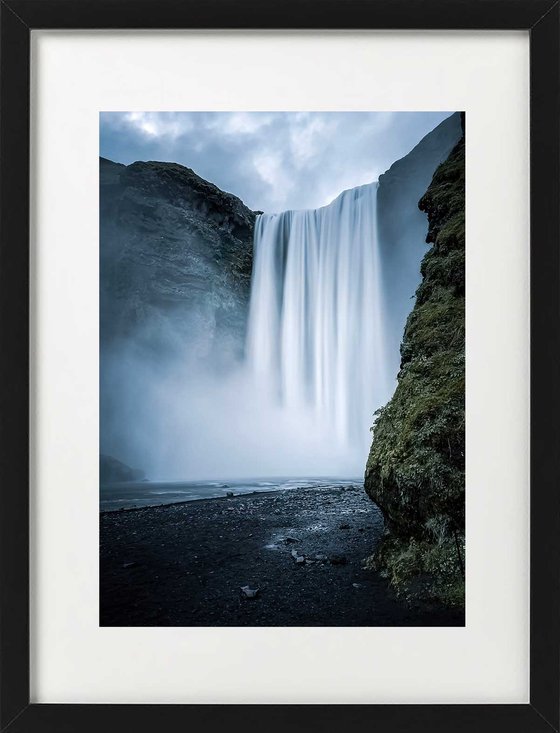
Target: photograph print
(282, 368)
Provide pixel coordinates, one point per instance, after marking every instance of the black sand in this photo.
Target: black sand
(185, 564)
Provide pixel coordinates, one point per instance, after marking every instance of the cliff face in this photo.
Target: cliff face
(416, 467)
(175, 272)
(402, 225)
(175, 258)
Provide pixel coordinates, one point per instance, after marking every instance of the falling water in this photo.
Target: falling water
(315, 337)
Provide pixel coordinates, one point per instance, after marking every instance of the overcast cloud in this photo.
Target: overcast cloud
(272, 161)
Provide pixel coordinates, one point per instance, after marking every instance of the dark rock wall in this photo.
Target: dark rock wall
(175, 272)
(175, 257)
(402, 226)
(416, 467)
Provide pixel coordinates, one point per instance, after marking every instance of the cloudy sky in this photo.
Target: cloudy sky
(272, 161)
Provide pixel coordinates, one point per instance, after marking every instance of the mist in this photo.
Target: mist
(183, 421)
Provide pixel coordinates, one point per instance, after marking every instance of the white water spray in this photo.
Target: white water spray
(316, 340)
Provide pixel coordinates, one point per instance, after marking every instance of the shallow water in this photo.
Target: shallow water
(130, 494)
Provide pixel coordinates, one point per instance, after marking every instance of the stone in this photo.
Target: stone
(338, 560)
(299, 559)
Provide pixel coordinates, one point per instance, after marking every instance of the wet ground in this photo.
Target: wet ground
(291, 558)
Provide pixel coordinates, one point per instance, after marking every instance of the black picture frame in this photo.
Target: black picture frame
(540, 18)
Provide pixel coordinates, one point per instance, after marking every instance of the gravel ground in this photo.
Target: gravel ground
(302, 550)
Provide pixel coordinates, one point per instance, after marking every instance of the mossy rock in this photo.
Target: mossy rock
(416, 466)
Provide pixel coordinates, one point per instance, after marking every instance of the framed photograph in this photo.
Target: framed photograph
(280, 340)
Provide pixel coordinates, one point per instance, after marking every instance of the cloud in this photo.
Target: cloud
(271, 160)
(156, 125)
(308, 137)
(240, 123)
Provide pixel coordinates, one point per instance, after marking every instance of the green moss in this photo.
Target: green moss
(416, 467)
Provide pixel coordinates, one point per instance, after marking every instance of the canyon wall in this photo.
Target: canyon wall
(416, 466)
(175, 274)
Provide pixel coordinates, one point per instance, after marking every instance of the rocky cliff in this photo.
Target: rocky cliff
(175, 272)
(402, 226)
(175, 257)
(416, 467)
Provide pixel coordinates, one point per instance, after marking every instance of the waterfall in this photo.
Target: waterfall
(315, 340)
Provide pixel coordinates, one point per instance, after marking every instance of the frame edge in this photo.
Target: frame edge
(16, 714)
(545, 358)
(14, 378)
